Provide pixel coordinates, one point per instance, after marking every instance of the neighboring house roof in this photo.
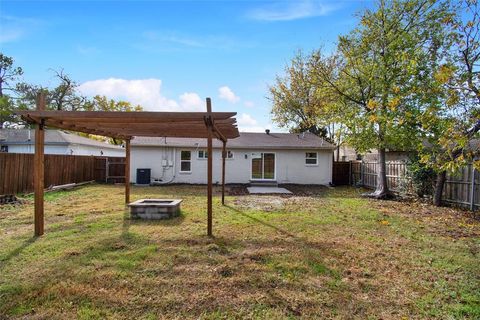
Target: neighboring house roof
(52, 137)
(250, 140)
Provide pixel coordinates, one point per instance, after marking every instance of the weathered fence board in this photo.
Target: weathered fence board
(462, 188)
(16, 170)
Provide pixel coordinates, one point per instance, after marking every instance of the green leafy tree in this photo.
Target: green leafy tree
(378, 70)
(102, 103)
(454, 122)
(299, 105)
(8, 74)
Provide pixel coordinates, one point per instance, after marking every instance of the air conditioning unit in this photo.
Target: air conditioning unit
(143, 176)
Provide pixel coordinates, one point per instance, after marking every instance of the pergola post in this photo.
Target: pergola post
(209, 124)
(39, 169)
(224, 155)
(127, 171)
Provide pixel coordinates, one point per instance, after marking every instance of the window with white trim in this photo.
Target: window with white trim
(202, 154)
(185, 161)
(3, 148)
(311, 158)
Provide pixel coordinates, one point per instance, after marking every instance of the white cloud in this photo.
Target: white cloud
(246, 123)
(246, 120)
(192, 101)
(169, 37)
(291, 10)
(145, 92)
(249, 104)
(166, 40)
(227, 94)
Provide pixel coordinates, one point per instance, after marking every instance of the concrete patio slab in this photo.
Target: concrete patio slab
(267, 190)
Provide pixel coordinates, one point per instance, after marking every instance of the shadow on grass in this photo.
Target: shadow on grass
(15, 252)
(128, 222)
(282, 231)
(309, 248)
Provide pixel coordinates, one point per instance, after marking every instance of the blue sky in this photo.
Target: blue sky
(170, 55)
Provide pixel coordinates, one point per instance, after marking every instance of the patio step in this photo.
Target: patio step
(264, 184)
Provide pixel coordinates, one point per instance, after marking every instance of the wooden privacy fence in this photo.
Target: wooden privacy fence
(461, 188)
(16, 170)
(341, 173)
(365, 174)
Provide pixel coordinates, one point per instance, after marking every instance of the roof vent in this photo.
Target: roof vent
(267, 131)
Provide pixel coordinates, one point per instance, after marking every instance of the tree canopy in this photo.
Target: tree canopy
(373, 83)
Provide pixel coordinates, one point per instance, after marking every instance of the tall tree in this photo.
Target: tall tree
(8, 74)
(379, 65)
(64, 96)
(455, 122)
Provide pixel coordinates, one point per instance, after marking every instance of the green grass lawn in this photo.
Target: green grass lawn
(328, 254)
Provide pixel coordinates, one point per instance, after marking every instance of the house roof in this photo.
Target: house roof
(52, 137)
(250, 140)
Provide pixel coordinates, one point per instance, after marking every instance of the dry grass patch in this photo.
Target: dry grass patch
(318, 254)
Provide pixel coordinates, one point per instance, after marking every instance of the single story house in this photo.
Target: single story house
(252, 157)
(56, 142)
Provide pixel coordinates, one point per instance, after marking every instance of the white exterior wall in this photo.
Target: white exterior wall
(80, 150)
(30, 148)
(289, 167)
(83, 150)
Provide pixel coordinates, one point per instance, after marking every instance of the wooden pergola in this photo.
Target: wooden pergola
(127, 125)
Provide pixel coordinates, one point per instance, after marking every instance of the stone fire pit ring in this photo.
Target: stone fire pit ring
(155, 209)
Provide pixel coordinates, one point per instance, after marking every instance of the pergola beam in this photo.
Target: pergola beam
(196, 126)
(74, 127)
(227, 123)
(124, 117)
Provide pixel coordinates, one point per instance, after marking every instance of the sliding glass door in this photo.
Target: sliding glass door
(263, 166)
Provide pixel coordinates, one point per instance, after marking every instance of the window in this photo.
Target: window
(311, 158)
(202, 154)
(3, 148)
(185, 161)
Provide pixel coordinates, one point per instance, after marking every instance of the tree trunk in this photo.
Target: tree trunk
(381, 192)
(382, 188)
(437, 199)
(338, 153)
